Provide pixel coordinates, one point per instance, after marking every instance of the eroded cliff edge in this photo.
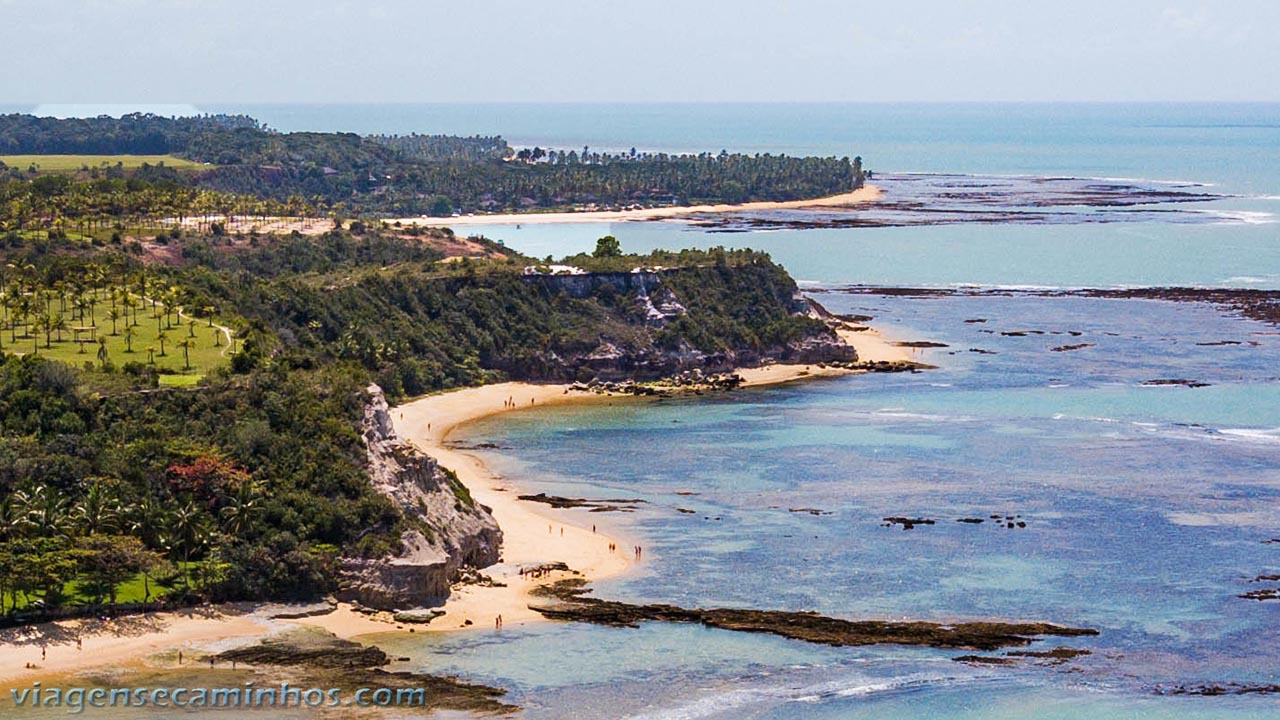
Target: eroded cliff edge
(660, 323)
(449, 531)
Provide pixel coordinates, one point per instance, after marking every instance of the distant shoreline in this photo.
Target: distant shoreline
(864, 195)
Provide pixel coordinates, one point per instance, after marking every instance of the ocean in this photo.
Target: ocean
(1147, 507)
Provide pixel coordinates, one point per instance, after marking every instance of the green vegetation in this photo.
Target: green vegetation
(443, 148)
(111, 206)
(106, 317)
(180, 405)
(73, 163)
(252, 484)
(249, 485)
(414, 175)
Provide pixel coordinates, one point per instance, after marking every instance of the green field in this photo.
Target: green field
(71, 163)
(210, 346)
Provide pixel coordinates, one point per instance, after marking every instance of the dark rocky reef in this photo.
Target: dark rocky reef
(1056, 656)
(806, 626)
(450, 531)
(1261, 305)
(308, 647)
(920, 344)
(1183, 382)
(321, 659)
(1216, 689)
(609, 505)
(882, 366)
(907, 523)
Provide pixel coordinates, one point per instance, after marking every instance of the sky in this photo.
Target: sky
(237, 51)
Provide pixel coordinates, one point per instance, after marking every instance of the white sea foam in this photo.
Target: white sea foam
(1250, 279)
(1253, 434)
(1001, 176)
(903, 414)
(1242, 217)
(730, 703)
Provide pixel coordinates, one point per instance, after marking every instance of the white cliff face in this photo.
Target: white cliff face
(449, 531)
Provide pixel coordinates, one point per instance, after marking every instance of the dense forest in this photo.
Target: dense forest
(208, 446)
(252, 484)
(425, 174)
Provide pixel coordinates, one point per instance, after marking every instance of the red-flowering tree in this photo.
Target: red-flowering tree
(208, 478)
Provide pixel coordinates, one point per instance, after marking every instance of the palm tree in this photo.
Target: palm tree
(46, 326)
(43, 510)
(186, 344)
(98, 511)
(148, 519)
(189, 531)
(102, 351)
(129, 335)
(59, 325)
(151, 354)
(10, 519)
(242, 509)
(162, 337)
(128, 304)
(191, 328)
(113, 315)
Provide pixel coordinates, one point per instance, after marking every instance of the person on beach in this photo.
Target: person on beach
(179, 657)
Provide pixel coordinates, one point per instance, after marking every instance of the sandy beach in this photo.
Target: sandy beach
(866, 194)
(533, 534)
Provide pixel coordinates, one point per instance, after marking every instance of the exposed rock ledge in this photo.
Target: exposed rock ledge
(811, 627)
(450, 531)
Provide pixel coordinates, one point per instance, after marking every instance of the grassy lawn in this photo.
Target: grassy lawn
(209, 350)
(133, 590)
(71, 163)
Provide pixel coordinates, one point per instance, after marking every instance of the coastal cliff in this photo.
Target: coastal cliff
(660, 320)
(448, 530)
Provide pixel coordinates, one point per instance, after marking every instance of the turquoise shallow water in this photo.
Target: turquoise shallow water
(1230, 148)
(1146, 507)
(1146, 512)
